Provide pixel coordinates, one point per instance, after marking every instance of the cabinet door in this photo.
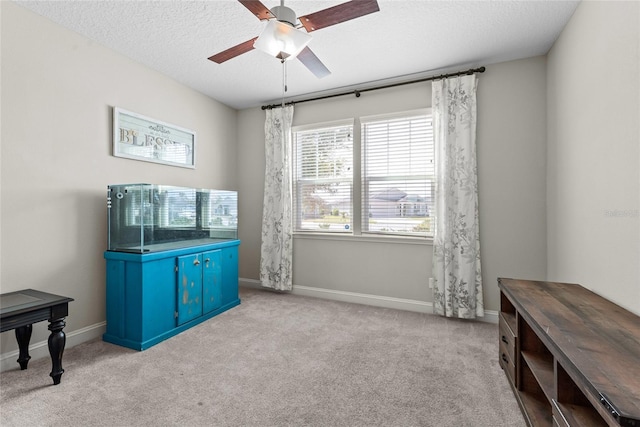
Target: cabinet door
(230, 275)
(189, 287)
(211, 281)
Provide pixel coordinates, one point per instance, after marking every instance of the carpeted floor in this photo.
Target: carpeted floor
(278, 360)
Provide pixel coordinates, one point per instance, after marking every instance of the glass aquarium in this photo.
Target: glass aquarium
(150, 218)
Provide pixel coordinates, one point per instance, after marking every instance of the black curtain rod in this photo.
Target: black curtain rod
(358, 92)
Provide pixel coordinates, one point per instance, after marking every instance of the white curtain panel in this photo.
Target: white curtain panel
(277, 244)
(456, 244)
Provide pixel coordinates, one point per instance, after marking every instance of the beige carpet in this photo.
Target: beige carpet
(278, 360)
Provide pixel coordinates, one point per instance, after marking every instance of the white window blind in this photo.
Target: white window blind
(398, 173)
(323, 178)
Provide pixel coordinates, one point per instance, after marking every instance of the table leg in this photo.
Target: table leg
(57, 340)
(23, 336)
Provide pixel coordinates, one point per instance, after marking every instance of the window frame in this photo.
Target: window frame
(365, 211)
(295, 181)
(356, 233)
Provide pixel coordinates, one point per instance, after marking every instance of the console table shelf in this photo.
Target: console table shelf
(572, 357)
(538, 411)
(542, 369)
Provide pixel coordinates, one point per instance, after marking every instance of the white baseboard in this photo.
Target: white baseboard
(490, 316)
(41, 349)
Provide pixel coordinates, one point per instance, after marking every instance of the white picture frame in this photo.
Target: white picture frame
(138, 137)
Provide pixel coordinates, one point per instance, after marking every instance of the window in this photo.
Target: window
(323, 178)
(397, 174)
(387, 188)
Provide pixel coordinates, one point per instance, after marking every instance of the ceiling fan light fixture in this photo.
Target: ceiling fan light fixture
(281, 40)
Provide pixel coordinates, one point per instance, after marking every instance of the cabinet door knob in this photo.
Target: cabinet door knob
(196, 262)
(207, 260)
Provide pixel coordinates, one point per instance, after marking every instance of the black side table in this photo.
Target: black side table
(20, 309)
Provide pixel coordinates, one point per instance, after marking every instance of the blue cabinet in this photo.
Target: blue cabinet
(154, 296)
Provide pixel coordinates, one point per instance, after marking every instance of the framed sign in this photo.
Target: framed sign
(141, 138)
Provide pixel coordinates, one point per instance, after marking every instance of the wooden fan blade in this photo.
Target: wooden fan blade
(337, 14)
(232, 52)
(258, 9)
(311, 61)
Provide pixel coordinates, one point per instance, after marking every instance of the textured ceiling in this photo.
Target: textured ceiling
(406, 39)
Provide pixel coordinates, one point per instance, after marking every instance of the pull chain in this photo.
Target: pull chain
(284, 80)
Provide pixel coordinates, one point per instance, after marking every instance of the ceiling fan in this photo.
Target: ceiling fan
(282, 30)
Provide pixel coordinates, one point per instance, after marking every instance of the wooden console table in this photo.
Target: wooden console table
(572, 357)
(20, 309)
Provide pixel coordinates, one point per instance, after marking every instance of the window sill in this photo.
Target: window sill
(403, 240)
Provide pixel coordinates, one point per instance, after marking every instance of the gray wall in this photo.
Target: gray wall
(593, 152)
(58, 89)
(511, 164)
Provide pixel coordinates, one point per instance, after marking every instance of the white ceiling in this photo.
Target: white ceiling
(407, 39)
